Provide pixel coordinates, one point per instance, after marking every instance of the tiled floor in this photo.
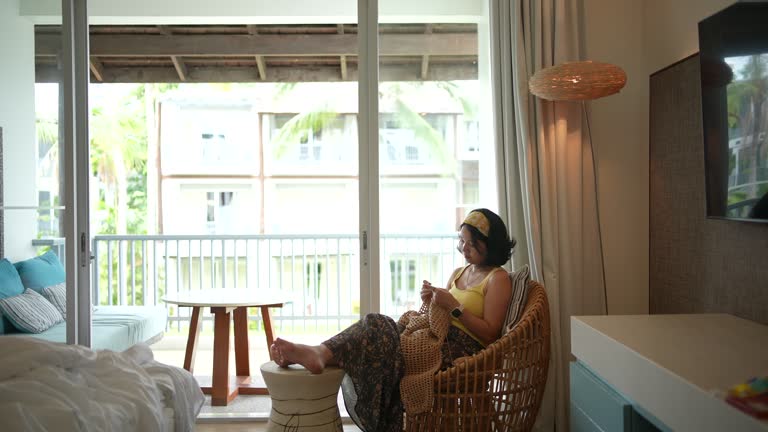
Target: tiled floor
(170, 350)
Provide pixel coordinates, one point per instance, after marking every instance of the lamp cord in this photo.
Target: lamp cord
(597, 206)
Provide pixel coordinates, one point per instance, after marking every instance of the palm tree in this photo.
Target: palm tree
(118, 148)
(47, 131)
(754, 92)
(399, 96)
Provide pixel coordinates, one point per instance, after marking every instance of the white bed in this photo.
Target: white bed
(48, 386)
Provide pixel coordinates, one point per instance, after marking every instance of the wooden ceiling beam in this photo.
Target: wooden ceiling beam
(425, 57)
(342, 58)
(276, 74)
(147, 45)
(181, 68)
(165, 30)
(424, 67)
(343, 66)
(97, 69)
(261, 67)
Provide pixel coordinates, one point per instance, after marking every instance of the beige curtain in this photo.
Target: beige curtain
(547, 176)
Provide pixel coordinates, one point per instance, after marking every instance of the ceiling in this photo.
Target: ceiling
(263, 53)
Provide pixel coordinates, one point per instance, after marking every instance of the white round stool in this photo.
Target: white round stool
(301, 400)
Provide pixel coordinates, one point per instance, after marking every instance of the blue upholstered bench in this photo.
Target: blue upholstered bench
(117, 327)
(33, 303)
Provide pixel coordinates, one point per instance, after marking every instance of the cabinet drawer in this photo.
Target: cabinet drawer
(581, 422)
(602, 405)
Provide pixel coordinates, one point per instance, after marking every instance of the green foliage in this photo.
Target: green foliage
(119, 158)
(762, 189)
(284, 89)
(457, 93)
(118, 151)
(47, 135)
(137, 203)
(298, 128)
(736, 197)
(396, 94)
(747, 89)
(423, 131)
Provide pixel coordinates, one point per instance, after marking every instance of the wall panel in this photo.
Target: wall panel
(696, 264)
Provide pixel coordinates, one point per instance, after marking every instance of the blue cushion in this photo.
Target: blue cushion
(10, 282)
(10, 286)
(41, 271)
(5, 325)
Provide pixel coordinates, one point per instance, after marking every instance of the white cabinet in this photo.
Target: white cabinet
(665, 370)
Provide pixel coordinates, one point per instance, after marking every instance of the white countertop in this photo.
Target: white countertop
(671, 365)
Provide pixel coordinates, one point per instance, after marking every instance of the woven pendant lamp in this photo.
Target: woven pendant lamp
(577, 81)
(581, 81)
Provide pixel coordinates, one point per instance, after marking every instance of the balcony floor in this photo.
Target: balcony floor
(248, 412)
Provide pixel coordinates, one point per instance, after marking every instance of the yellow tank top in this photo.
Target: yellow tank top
(473, 299)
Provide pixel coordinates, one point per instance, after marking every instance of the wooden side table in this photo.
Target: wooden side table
(225, 304)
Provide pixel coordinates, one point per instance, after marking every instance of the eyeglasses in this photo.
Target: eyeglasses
(460, 246)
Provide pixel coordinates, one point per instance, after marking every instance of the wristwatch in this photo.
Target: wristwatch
(457, 311)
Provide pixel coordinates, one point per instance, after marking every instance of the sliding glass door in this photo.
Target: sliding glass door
(326, 152)
(436, 158)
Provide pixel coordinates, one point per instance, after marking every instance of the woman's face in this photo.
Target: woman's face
(474, 251)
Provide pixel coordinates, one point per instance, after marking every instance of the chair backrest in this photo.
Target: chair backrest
(524, 353)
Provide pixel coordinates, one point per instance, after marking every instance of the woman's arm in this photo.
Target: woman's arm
(426, 286)
(497, 296)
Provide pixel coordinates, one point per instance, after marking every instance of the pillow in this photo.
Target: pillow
(10, 286)
(41, 271)
(520, 280)
(10, 282)
(57, 295)
(30, 312)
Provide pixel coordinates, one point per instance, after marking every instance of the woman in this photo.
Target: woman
(478, 296)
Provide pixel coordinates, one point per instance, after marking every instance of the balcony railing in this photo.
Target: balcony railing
(320, 273)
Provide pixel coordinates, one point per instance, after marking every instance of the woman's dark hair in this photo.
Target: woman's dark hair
(499, 244)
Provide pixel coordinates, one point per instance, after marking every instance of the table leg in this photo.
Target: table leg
(194, 332)
(220, 394)
(268, 328)
(220, 390)
(242, 361)
(246, 385)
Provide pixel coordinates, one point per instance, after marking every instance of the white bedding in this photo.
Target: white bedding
(46, 386)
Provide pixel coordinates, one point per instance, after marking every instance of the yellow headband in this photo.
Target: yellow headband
(479, 221)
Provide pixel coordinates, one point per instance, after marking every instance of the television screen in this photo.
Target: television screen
(733, 51)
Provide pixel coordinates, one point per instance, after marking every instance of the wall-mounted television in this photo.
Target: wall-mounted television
(733, 51)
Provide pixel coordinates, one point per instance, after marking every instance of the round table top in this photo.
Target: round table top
(227, 297)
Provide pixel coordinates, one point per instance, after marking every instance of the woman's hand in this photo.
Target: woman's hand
(443, 298)
(426, 291)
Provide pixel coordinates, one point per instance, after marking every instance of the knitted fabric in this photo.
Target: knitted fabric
(420, 344)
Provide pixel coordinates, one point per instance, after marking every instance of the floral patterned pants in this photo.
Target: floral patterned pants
(369, 352)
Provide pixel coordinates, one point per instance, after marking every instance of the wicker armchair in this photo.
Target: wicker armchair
(501, 387)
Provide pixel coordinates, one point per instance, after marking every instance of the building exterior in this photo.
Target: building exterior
(247, 164)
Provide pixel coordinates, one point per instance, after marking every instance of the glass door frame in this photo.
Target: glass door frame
(75, 80)
(76, 153)
(368, 151)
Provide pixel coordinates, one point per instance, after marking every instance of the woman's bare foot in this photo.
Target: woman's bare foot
(313, 358)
